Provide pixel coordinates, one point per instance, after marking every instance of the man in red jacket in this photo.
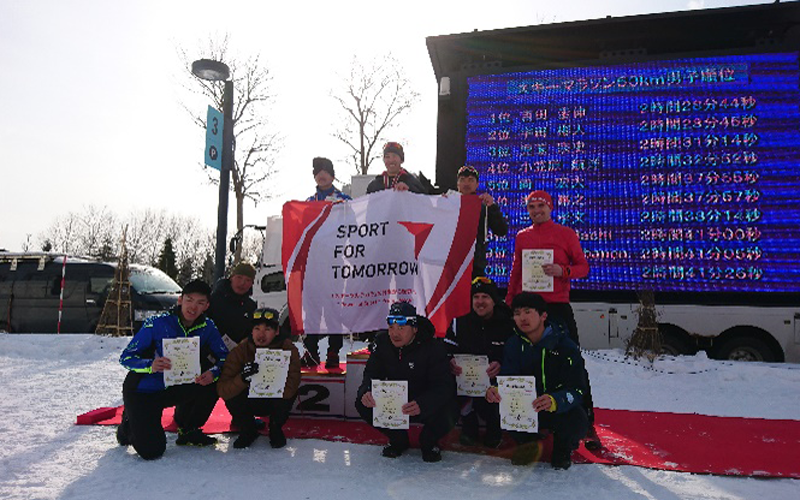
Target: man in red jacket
(568, 264)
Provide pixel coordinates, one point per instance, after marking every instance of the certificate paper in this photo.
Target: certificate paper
(184, 355)
(473, 380)
(273, 368)
(533, 277)
(390, 396)
(516, 404)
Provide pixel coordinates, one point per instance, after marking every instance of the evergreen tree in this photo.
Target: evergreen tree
(207, 271)
(166, 261)
(186, 272)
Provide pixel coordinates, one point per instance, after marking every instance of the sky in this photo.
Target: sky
(47, 380)
(92, 93)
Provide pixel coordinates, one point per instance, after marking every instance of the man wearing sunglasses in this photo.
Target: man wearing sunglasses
(408, 351)
(482, 332)
(395, 176)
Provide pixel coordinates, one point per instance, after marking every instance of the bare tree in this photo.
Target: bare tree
(372, 97)
(255, 146)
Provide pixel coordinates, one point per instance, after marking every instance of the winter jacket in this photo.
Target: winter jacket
(148, 342)
(379, 183)
(231, 312)
(555, 361)
(332, 194)
(423, 363)
(567, 253)
(499, 226)
(471, 334)
(230, 382)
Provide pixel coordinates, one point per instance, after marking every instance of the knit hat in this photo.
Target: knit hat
(244, 269)
(540, 195)
(394, 147)
(320, 164)
(404, 310)
(467, 171)
(197, 286)
(530, 300)
(487, 286)
(266, 316)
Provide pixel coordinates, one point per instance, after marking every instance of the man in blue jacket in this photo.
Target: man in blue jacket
(144, 393)
(538, 349)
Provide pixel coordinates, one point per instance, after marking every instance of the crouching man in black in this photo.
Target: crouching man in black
(144, 393)
(240, 367)
(409, 352)
(548, 354)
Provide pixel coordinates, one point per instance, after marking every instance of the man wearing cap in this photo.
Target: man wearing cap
(144, 392)
(234, 383)
(324, 176)
(491, 216)
(569, 263)
(537, 349)
(231, 305)
(395, 176)
(482, 332)
(409, 352)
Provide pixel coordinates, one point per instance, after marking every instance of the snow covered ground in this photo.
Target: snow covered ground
(47, 380)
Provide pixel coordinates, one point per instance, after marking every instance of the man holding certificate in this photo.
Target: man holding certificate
(544, 357)
(547, 256)
(407, 377)
(168, 363)
(476, 342)
(261, 377)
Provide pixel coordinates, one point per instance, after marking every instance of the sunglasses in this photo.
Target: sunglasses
(265, 315)
(400, 320)
(481, 279)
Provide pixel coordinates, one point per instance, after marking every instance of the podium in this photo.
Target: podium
(331, 393)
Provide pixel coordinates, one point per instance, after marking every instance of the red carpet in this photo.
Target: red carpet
(667, 441)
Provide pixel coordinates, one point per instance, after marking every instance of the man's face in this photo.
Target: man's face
(483, 305)
(529, 321)
(263, 335)
(241, 284)
(538, 211)
(401, 335)
(324, 179)
(193, 305)
(467, 184)
(392, 163)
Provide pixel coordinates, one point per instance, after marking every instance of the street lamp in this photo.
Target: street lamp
(207, 69)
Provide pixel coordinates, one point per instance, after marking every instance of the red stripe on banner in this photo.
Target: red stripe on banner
(297, 216)
(457, 304)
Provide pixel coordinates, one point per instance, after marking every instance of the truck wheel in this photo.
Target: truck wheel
(674, 342)
(746, 349)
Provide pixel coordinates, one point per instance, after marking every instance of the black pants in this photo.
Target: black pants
(562, 313)
(335, 343)
(489, 412)
(193, 405)
(568, 428)
(434, 426)
(243, 411)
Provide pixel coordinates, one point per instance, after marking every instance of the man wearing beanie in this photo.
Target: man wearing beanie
(395, 176)
(408, 351)
(234, 383)
(569, 263)
(144, 393)
(491, 217)
(482, 332)
(538, 349)
(231, 305)
(324, 176)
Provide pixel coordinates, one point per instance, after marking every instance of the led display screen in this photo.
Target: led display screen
(677, 175)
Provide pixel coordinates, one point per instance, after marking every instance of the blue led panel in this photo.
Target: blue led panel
(677, 175)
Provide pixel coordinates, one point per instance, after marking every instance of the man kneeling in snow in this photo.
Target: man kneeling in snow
(144, 393)
(238, 371)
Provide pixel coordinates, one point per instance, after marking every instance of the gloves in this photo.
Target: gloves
(248, 370)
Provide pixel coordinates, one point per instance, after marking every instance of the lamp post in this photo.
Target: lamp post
(208, 69)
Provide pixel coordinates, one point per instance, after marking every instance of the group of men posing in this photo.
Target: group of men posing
(535, 336)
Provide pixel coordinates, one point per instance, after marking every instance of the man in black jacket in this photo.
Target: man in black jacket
(231, 305)
(409, 352)
(482, 332)
(395, 176)
(491, 216)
